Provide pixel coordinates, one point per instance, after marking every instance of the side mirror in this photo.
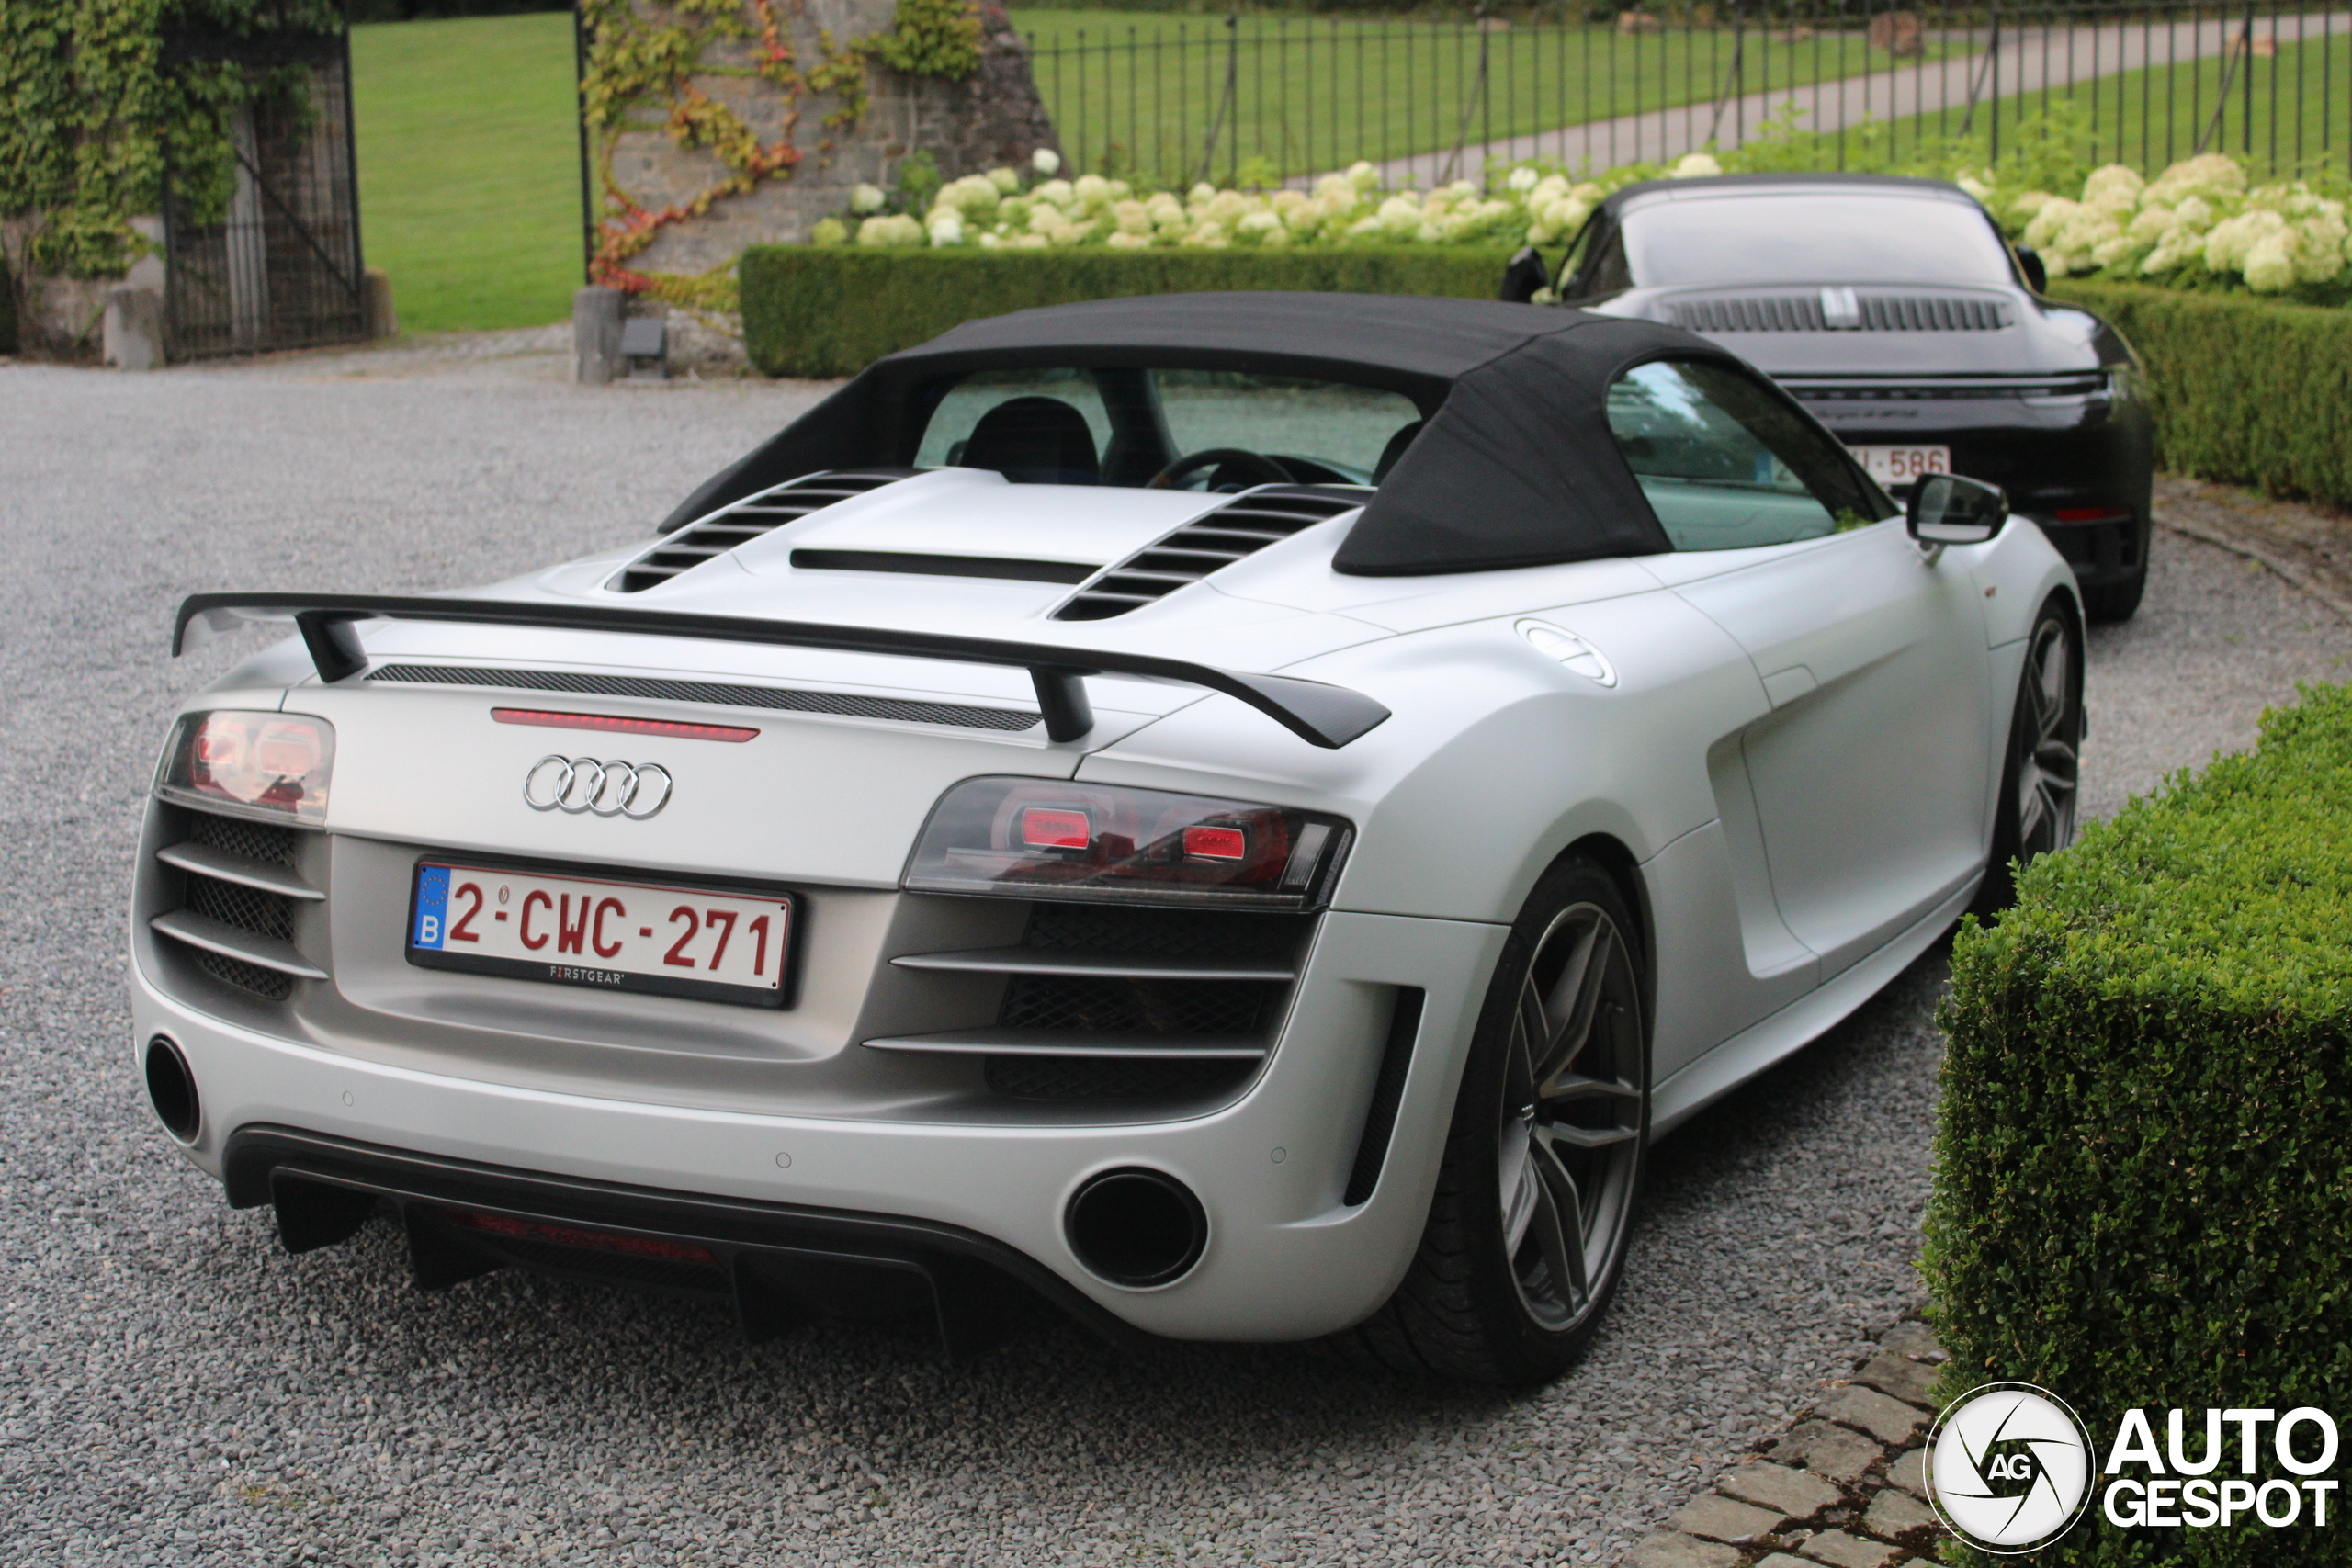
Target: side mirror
(1524, 278)
(1945, 509)
(2037, 276)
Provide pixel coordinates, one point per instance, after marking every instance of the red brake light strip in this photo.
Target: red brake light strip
(613, 724)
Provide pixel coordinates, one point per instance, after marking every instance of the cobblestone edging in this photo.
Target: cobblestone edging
(1846, 1486)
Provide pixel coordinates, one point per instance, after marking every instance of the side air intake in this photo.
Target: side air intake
(1242, 527)
(745, 521)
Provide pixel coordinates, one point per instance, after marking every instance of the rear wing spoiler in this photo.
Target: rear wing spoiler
(1325, 716)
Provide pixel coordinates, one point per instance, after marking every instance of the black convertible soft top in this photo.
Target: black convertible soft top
(1515, 465)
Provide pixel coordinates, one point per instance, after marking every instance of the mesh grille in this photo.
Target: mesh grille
(1242, 527)
(268, 984)
(1166, 933)
(247, 909)
(1099, 1078)
(234, 836)
(1137, 1007)
(744, 521)
(1876, 313)
(721, 694)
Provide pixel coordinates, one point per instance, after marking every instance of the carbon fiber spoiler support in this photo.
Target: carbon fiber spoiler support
(1325, 716)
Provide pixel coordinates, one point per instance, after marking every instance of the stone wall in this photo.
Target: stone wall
(995, 116)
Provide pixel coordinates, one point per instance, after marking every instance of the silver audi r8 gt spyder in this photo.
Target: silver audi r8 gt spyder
(1240, 815)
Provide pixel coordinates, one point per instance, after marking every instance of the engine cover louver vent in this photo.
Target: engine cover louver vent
(1842, 309)
(746, 520)
(1242, 527)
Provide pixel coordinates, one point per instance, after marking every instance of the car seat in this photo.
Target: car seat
(1034, 441)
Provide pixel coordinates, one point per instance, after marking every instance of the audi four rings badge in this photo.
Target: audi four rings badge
(605, 789)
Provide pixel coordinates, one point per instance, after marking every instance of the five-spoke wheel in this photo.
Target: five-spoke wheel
(2043, 773)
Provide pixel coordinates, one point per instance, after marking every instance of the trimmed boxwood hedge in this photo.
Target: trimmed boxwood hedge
(2144, 1169)
(832, 311)
(2246, 390)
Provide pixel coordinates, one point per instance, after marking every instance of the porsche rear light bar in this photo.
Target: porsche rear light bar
(1326, 716)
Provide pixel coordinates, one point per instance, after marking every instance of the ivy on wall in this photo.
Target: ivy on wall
(92, 113)
(643, 61)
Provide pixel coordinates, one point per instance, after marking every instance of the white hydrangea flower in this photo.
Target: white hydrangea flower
(2153, 223)
(1365, 227)
(1522, 179)
(1006, 181)
(1335, 188)
(1131, 217)
(2112, 182)
(2230, 245)
(1975, 187)
(1257, 225)
(1209, 235)
(1092, 190)
(1400, 216)
(2212, 173)
(2050, 220)
(2320, 248)
(2116, 248)
(866, 198)
(1363, 176)
(2196, 214)
(1694, 166)
(897, 229)
(2270, 262)
(2031, 204)
(946, 228)
(1201, 195)
(1127, 240)
(1045, 161)
(1057, 192)
(991, 242)
(1589, 193)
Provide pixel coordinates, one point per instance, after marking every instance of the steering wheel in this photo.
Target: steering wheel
(1267, 471)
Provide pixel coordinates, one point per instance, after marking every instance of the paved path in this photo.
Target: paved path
(177, 1391)
(2028, 61)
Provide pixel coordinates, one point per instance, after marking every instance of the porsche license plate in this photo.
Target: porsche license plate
(1901, 464)
(620, 936)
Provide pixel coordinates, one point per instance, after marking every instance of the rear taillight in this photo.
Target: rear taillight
(1037, 838)
(2091, 514)
(259, 764)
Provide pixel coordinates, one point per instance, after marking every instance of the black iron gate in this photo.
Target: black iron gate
(280, 268)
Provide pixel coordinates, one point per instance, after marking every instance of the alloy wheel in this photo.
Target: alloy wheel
(1572, 1116)
(2049, 741)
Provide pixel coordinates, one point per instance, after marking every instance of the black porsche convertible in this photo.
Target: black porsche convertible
(1895, 310)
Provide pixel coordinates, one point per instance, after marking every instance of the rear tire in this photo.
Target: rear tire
(2111, 602)
(2040, 777)
(1526, 1234)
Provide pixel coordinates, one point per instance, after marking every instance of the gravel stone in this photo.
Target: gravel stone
(181, 1391)
(1792, 1491)
(1836, 1452)
(1720, 1519)
(1888, 1420)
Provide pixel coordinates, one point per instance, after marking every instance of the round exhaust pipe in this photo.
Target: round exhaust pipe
(1137, 1227)
(171, 1089)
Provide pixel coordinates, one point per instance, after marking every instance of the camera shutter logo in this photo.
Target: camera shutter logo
(2008, 1468)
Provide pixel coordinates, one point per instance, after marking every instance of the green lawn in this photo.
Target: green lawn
(2301, 119)
(1137, 92)
(469, 168)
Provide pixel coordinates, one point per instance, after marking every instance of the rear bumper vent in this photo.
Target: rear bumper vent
(1242, 527)
(1108, 1003)
(717, 693)
(239, 896)
(745, 521)
(1842, 309)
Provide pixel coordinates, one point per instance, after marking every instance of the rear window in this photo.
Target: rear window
(1812, 237)
(1140, 424)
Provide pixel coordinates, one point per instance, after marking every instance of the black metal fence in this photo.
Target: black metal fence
(281, 267)
(1173, 99)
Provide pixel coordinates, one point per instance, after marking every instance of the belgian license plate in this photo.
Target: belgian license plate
(620, 936)
(1901, 464)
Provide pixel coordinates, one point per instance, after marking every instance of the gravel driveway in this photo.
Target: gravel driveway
(180, 1391)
